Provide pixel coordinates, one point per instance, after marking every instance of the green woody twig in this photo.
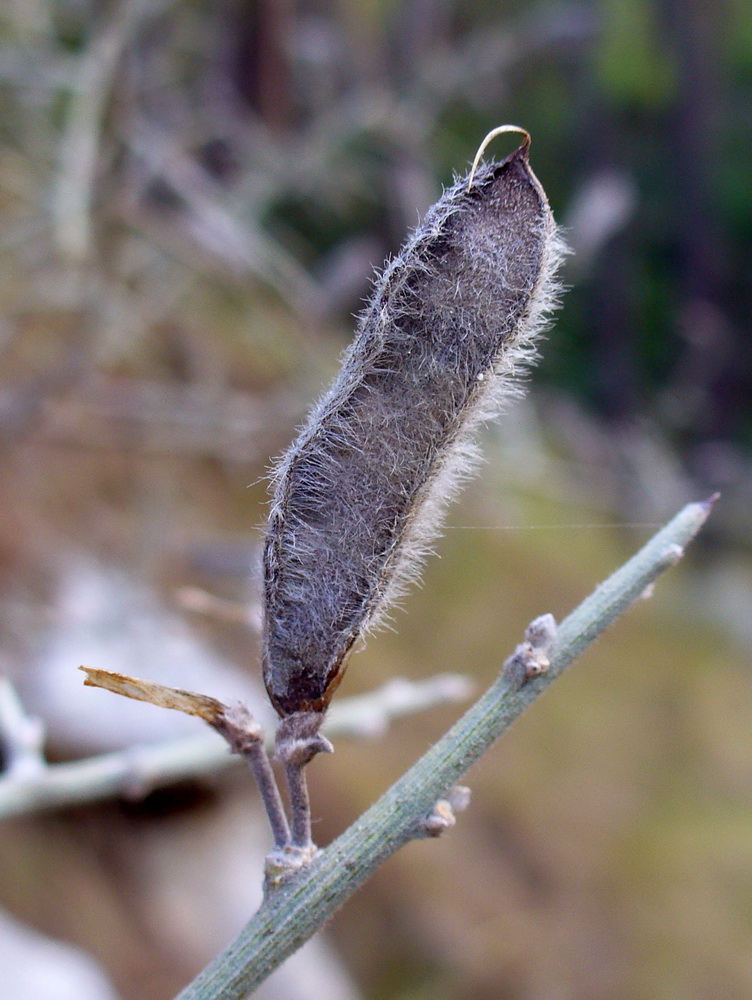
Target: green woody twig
(296, 907)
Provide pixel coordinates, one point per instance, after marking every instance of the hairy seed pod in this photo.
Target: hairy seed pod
(360, 493)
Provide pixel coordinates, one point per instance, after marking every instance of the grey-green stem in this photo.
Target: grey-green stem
(293, 910)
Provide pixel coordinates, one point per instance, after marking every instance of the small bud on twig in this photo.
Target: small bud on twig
(531, 658)
(443, 816)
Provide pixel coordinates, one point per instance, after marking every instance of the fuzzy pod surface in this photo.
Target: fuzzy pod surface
(360, 494)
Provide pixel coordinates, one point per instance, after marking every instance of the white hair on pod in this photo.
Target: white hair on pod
(360, 495)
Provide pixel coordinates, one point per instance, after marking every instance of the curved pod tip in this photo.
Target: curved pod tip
(499, 130)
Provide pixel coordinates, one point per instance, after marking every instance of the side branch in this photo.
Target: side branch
(296, 907)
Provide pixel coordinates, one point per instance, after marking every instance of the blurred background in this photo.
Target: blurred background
(194, 196)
